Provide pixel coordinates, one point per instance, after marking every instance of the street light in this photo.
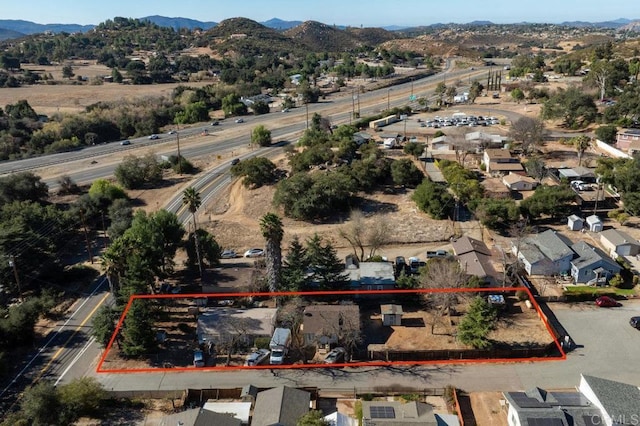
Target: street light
(388, 93)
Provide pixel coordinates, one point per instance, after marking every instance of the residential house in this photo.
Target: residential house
(395, 413)
(372, 276)
(517, 182)
(619, 243)
(625, 137)
(500, 162)
(361, 138)
(223, 322)
(618, 403)
(494, 188)
(338, 419)
(391, 315)
(545, 253)
(199, 417)
(486, 140)
(539, 407)
(329, 324)
(237, 410)
(575, 222)
(441, 143)
(475, 258)
(584, 174)
(281, 406)
(592, 265)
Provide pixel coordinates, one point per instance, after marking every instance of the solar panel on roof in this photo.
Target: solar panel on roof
(523, 401)
(382, 412)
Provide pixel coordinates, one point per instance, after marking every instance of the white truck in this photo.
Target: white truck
(279, 345)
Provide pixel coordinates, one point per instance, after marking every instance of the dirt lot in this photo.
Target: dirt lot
(487, 409)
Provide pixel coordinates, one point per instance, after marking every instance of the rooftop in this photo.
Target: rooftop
(589, 255)
(253, 321)
(512, 178)
(280, 406)
(618, 238)
(495, 154)
(466, 244)
(545, 244)
(392, 413)
(619, 400)
(323, 319)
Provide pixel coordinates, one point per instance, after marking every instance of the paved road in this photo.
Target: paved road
(607, 348)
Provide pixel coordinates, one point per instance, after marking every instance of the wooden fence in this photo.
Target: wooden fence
(458, 354)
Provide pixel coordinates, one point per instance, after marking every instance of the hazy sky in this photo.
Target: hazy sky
(340, 12)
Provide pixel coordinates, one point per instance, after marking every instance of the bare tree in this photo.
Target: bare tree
(599, 75)
(361, 234)
(529, 132)
(460, 144)
(443, 276)
(233, 333)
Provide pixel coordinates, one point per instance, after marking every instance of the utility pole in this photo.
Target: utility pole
(12, 263)
(388, 100)
(353, 105)
(179, 156)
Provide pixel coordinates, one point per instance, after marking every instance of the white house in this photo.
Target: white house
(499, 161)
(575, 223)
(594, 223)
(592, 266)
(617, 402)
(619, 243)
(516, 182)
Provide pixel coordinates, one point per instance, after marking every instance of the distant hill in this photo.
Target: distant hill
(631, 26)
(177, 23)
(28, 27)
(321, 37)
(617, 23)
(279, 24)
(9, 34)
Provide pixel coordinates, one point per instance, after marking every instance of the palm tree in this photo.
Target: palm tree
(191, 198)
(581, 143)
(271, 227)
(113, 261)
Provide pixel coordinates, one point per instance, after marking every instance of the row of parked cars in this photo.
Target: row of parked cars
(231, 254)
(471, 121)
(413, 264)
(261, 357)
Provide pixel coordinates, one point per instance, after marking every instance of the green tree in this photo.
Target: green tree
(208, 247)
(517, 95)
(261, 136)
(256, 171)
(191, 199)
(475, 91)
(536, 168)
(496, 213)
(554, 201)
(414, 149)
(104, 324)
(476, 325)
(440, 90)
(135, 172)
(41, 404)
(404, 172)
(576, 108)
(313, 418)
(82, 397)
(327, 269)
(22, 186)
(67, 72)
(138, 334)
(433, 199)
(272, 231)
(260, 108)
(295, 268)
(607, 133)
(102, 188)
(231, 105)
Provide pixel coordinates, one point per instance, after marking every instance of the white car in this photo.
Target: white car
(171, 132)
(239, 120)
(154, 137)
(254, 252)
(228, 254)
(127, 142)
(257, 357)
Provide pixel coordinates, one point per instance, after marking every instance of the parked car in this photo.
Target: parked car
(235, 161)
(254, 252)
(335, 356)
(198, 359)
(257, 357)
(239, 120)
(635, 322)
(127, 142)
(437, 253)
(154, 137)
(607, 302)
(228, 254)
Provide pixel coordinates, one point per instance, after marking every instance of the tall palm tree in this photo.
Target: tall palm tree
(581, 143)
(191, 198)
(271, 227)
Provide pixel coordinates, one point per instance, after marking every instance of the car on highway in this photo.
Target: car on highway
(235, 161)
(285, 110)
(335, 356)
(239, 120)
(228, 254)
(635, 322)
(254, 252)
(215, 123)
(154, 137)
(171, 132)
(257, 357)
(607, 302)
(127, 142)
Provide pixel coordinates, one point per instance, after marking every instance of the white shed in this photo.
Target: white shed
(594, 223)
(575, 223)
(391, 314)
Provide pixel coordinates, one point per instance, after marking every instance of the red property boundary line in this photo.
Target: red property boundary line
(541, 315)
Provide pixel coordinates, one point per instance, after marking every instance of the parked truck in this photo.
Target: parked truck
(279, 345)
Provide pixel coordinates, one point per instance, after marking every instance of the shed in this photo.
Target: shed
(391, 315)
(594, 223)
(575, 222)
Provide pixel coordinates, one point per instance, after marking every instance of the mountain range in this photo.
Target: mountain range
(12, 28)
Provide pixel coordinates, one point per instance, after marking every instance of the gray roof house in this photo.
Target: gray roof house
(544, 254)
(619, 243)
(618, 402)
(592, 266)
(475, 258)
(199, 417)
(539, 407)
(394, 413)
(281, 406)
